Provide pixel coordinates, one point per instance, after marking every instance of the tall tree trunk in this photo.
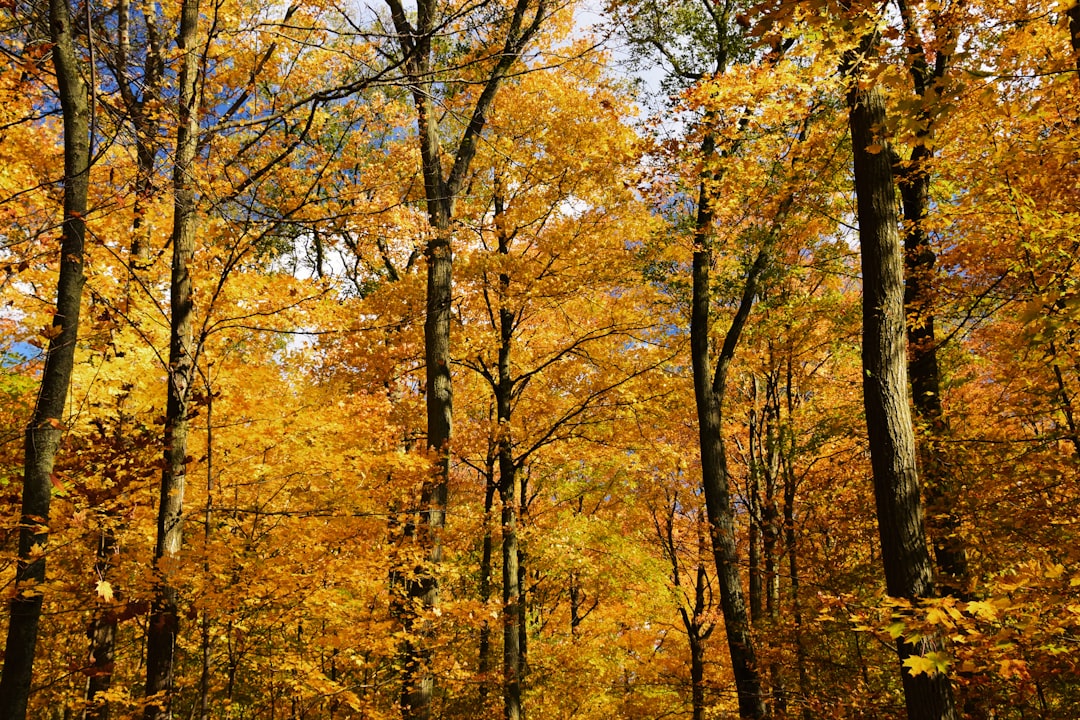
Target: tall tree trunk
(512, 701)
(788, 447)
(484, 663)
(523, 557)
(914, 181)
(102, 632)
(771, 528)
(697, 677)
(697, 630)
(44, 432)
(508, 486)
(163, 624)
(754, 502)
(441, 192)
(709, 391)
(908, 572)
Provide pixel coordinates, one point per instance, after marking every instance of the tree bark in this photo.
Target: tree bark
(102, 634)
(908, 572)
(44, 432)
(709, 391)
(504, 388)
(163, 624)
(484, 664)
(925, 376)
(441, 192)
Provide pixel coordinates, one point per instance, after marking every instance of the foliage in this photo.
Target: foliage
(307, 449)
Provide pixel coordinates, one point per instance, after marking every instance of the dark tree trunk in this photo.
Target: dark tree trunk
(709, 391)
(905, 555)
(508, 486)
(484, 663)
(512, 702)
(1074, 33)
(163, 624)
(925, 377)
(523, 556)
(771, 528)
(697, 677)
(441, 192)
(44, 432)
(102, 635)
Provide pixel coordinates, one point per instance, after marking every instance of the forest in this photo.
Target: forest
(554, 359)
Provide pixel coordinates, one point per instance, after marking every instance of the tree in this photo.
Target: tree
(45, 430)
(418, 47)
(908, 572)
(919, 258)
(163, 622)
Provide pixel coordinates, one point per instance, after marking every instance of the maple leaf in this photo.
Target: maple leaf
(104, 590)
(930, 663)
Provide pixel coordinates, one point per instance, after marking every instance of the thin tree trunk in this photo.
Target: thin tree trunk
(523, 556)
(204, 677)
(754, 501)
(770, 521)
(163, 624)
(697, 677)
(44, 432)
(697, 630)
(102, 634)
(441, 192)
(709, 391)
(484, 663)
(906, 557)
(512, 702)
(508, 486)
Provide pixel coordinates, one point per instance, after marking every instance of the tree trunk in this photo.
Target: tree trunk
(697, 676)
(919, 259)
(511, 591)
(440, 192)
(164, 620)
(904, 550)
(484, 663)
(102, 635)
(709, 390)
(512, 706)
(523, 556)
(770, 517)
(1074, 33)
(44, 432)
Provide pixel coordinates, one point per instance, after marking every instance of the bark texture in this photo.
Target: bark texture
(709, 391)
(906, 557)
(164, 619)
(924, 374)
(508, 468)
(44, 432)
(415, 37)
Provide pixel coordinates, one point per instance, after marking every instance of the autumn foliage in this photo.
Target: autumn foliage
(576, 567)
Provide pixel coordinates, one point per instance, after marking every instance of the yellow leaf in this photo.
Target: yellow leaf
(917, 665)
(982, 610)
(104, 590)
(931, 663)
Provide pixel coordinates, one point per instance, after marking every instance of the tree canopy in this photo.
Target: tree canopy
(418, 360)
